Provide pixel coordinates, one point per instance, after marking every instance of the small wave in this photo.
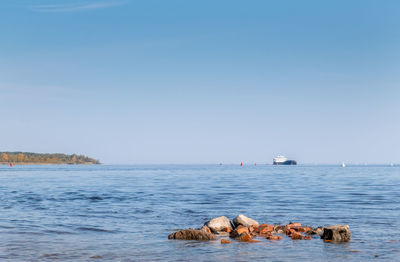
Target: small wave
(95, 198)
(58, 232)
(94, 229)
(51, 256)
(143, 211)
(6, 227)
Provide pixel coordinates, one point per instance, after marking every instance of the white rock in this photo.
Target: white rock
(219, 223)
(244, 221)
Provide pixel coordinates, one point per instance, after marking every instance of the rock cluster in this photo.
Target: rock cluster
(245, 229)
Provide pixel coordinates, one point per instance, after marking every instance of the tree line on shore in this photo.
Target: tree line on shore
(37, 158)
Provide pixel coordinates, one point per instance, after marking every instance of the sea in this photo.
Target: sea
(126, 212)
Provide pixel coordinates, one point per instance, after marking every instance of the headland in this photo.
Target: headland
(28, 158)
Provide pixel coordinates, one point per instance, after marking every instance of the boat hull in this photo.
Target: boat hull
(286, 163)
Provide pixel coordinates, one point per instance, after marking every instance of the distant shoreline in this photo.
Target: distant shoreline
(29, 158)
(44, 163)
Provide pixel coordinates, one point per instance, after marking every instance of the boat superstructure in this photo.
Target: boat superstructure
(281, 160)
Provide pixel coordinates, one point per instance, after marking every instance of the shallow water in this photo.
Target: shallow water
(125, 213)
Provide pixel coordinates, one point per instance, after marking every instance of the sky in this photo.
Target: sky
(178, 81)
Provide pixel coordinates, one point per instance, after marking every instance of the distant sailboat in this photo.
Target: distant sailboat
(343, 165)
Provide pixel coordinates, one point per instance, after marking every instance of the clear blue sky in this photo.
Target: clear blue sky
(202, 81)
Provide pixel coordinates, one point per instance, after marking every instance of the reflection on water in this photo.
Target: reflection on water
(125, 213)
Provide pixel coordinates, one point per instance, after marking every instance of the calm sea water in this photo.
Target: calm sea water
(125, 213)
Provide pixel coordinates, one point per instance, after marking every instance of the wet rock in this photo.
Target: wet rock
(238, 231)
(219, 223)
(225, 241)
(252, 228)
(205, 229)
(192, 234)
(302, 229)
(315, 231)
(289, 231)
(264, 230)
(244, 221)
(271, 237)
(242, 229)
(244, 237)
(222, 234)
(296, 235)
(291, 225)
(337, 233)
(226, 229)
(279, 229)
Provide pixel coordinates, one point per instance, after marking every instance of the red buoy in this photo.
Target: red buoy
(11, 164)
(241, 164)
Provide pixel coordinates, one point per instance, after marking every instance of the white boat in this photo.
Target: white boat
(343, 165)
(281, 160)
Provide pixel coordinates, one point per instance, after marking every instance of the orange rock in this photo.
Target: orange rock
(254, 226)
(241, 230)
(226, 229)
(294, 225)
(289, 231)
(225, 241)
(305, 229)
(205, 229)
(264, 229)
(255, 241)
(307, 238)
(301, 228)
(245, 237)
(274, 237)
(279, 229)
(296, 235)
(251, 229)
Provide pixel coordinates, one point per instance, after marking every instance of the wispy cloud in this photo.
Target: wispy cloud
(74, 7)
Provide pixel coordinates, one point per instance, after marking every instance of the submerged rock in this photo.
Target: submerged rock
(244, 221)
(295, 235)
(337, 233)
(192, 234)
(221, 234)
(218, 224)
(225, 241)
(315, 231)
(244, 237)
(205, 229)
(271, 237)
